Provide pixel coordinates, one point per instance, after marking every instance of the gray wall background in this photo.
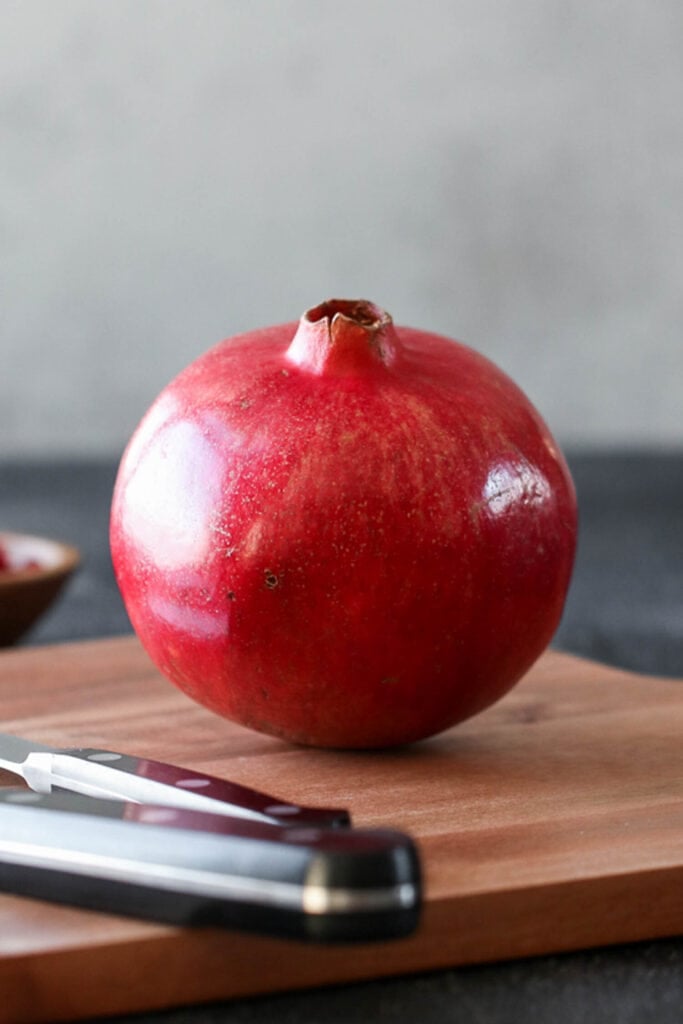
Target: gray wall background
(172, 172)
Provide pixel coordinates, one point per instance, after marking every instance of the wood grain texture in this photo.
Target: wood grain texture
(553, 821)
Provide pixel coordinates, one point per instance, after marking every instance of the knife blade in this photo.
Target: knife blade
(107, 774)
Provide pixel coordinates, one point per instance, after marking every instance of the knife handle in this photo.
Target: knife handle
(109, 775)
(329, 885)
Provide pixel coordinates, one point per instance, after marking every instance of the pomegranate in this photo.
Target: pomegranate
(342, 532)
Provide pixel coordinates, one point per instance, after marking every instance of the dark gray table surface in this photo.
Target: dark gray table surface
(625, 608)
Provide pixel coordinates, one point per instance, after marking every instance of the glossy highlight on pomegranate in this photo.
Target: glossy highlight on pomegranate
(343, 533)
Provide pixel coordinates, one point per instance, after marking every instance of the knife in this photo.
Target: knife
(301, 873)
(109, 775)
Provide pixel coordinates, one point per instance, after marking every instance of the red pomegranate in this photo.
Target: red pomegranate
(342, 532)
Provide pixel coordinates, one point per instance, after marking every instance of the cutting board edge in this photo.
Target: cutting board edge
(431, 949)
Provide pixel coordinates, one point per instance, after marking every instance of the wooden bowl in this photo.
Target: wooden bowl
(38, 569)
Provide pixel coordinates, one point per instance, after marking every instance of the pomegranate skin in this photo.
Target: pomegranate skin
(343, 533)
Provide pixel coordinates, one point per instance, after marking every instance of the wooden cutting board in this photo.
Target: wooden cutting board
(553, 821)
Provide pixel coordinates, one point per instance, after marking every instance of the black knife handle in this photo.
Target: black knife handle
(327, 885)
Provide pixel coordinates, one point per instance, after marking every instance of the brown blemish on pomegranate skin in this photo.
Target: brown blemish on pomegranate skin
(271, 580)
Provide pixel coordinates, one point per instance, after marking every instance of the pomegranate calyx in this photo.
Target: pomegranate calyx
(343, 336)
